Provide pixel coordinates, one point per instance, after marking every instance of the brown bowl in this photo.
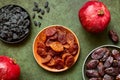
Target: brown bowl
(38, 58)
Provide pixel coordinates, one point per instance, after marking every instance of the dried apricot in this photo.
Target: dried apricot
(42, 36)
(50, 31)
(69, 61)
(57, 46)
(46, 59)
(59, 64)
(41, 52)
(51, 63)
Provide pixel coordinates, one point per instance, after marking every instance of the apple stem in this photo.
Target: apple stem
(100, 12)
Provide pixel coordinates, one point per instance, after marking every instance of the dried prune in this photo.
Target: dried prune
(92, 64)
(107, 77)
(113, 36)
(69, 61)
(50, 31)
(108, 62)
(116, 54)
(101, 68)
(112, 71)
(92, 73)
(57, 46)
(99, 53)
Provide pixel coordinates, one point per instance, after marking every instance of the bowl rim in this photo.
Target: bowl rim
(83, 66)
(29, 27)
(55, 70)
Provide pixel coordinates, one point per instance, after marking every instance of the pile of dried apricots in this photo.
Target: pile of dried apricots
(57, 47)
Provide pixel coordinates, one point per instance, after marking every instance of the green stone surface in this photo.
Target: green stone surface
(62, 12)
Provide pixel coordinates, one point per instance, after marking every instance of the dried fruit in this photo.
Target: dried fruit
(99, 53)
(92, 64)
(57, 46)
(55, 52)
(101, 68)
(69, 61)
(112, 71)
(108, 62)
(15, 24)
(94, 16)
(113, 36)
(116, 54)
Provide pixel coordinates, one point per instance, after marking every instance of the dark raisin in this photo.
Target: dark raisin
(35, 9)
(113, 36)
(46, 4)
(36, 4)
(42, 12)
(40, 17)
(35, 23)
(39, 10)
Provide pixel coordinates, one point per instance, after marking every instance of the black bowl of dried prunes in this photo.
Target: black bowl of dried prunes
(102, 63)
(14, 24)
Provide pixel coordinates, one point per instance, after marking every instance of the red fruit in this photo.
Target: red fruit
(9, 70)
(94, 16)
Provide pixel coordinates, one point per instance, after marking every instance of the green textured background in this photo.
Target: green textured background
(63, 12)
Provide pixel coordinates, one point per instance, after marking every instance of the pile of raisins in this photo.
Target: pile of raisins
(14, 24)
(104, 64)
(39, 12)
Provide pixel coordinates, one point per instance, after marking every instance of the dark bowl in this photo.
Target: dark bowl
(28, 26)
(88, 58)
